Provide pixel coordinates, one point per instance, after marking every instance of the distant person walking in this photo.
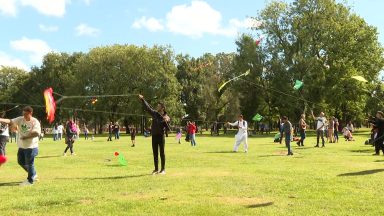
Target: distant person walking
(287, 131)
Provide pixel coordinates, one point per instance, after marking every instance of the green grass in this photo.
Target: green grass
(341, 179)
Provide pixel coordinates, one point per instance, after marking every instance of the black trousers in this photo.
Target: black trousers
(320, 133)
(158, 143)
(379, 146)
(69, 146)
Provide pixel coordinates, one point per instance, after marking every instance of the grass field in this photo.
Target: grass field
(341, 179)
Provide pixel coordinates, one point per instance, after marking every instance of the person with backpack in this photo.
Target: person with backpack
(242, 133)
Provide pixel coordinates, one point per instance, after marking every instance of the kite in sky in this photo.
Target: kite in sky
(224, 84)
(50, 105)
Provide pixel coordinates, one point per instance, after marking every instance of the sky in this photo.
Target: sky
(32, 28)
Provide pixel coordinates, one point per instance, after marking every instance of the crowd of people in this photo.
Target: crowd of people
(29, 133)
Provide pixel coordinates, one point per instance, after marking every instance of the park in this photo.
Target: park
(208, 179)
(194, 108)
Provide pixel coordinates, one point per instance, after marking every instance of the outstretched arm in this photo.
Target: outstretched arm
(5, 121)
(313, 116)
(146, 105)
(233, 124)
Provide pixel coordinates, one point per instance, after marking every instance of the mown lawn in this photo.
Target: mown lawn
(341, 179)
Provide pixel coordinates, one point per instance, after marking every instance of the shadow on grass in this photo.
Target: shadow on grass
(110, 177)
(274, 155)
(365, 172)
(49, 156)
(260, 205)
(379, 161)
(9, 184)
(220, 152)
(362, 151)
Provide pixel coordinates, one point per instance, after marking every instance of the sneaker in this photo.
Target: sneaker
(64, 154)
(316, 146)
(322, 146)
(155, 172)
(35, 178)
(25, 183)
(376, 154)
(73, 154)
(246, 151)
(162, 172)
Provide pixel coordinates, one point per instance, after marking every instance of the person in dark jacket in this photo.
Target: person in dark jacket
(160, 121)
(378, 121)
(70, 132)
(110, 130)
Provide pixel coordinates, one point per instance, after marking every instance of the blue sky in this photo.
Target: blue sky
(31, 28)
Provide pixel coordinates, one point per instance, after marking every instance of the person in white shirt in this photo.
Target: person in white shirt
(28, 142)
(4, 137)
(55, 132)
(60, 129)
(320, 126)
(242, 134)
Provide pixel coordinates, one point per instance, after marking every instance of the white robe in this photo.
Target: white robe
(242, 135)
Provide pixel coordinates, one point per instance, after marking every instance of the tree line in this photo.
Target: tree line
(319, 42)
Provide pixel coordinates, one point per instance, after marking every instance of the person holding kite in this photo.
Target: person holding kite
(242, 134)
(160, 121)
(28, 142)
(320, 126)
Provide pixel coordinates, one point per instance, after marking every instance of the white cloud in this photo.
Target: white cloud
(8, 7)
(36, 48)
(47, 7)
(46, 28)
(87, 2)
(195, 20)
(85, 30)
(6, 60)
(151, 24)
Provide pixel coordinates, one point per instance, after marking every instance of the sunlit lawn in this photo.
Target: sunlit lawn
(341, 179)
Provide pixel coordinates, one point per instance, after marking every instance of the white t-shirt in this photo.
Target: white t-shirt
(320, 123)
(60, 129)
(25, 128)
(243, 126)
(5, 130)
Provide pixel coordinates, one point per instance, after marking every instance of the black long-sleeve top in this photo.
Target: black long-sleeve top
(379, 123)
(158, 123)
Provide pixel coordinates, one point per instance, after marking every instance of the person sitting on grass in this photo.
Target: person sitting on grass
(347, 134)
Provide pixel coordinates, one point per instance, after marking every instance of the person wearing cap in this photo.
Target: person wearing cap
(28, 142)
(242, 134)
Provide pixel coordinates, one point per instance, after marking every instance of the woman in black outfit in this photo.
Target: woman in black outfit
(158, 128)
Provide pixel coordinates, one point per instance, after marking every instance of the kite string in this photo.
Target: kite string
(284, 93)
